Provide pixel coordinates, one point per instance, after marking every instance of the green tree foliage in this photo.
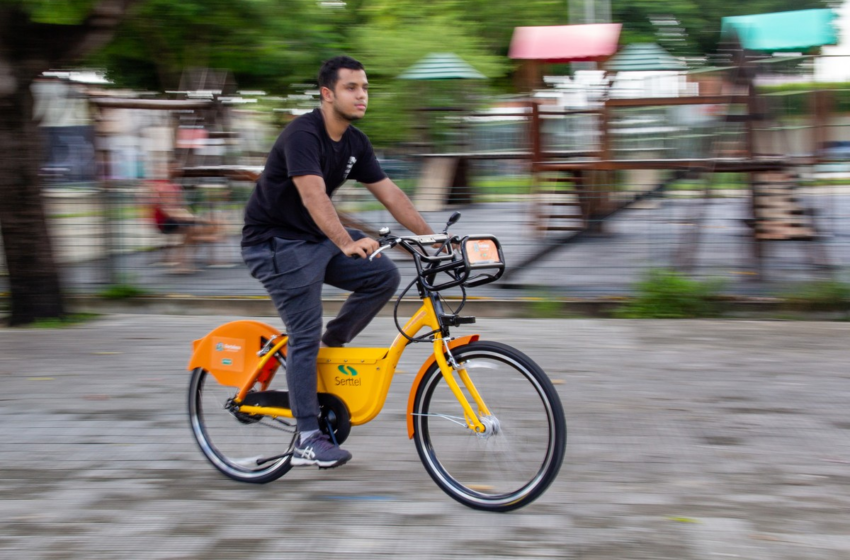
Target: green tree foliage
(387, 48)
(270, 44)
(62, 12)
(273, 43)
(264, 43)
(491, 23)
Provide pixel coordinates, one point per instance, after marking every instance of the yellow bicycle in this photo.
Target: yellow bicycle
(493, 444)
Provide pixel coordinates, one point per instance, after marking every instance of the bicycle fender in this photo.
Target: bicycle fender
(229, 352)
(431, 359)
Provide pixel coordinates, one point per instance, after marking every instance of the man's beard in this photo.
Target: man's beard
(347, 117)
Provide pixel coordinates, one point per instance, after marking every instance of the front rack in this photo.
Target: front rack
(469, 261)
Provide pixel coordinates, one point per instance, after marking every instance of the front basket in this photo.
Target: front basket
(482, 258)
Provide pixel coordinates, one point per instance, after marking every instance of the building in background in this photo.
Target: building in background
(834, 65)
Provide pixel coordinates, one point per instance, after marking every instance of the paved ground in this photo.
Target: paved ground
(688, 440)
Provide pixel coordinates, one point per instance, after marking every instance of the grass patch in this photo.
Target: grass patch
(64, 321)
(545, 306)
(715, 182)
(825, 183)
(517, 184)
(126, 212)
(667, 294)
(737, 181)
(122, 291)
(829, 295)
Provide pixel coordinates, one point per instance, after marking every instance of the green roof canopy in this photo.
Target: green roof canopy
(442, 66)
(643, 57)
(783, 31)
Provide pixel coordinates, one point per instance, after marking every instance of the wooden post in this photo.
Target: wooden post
(752, 113)
(605, 138)
(750, 150)
(596, 181)
(821, 108)
(529, 75)
(534, 131)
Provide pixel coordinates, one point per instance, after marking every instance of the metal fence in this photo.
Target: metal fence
(700, 222)
(106, 236)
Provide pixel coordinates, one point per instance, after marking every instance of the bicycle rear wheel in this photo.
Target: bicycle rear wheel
(518, 457)
(246, 448)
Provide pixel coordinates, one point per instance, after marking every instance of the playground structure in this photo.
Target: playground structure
(578, 179)
(590, 162)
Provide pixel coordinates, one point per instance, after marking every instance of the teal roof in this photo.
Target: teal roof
(442, 66)
(783, 31)
(643, 57)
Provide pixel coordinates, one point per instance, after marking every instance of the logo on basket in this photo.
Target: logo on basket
(347, 370)
(221, 347)
(227, 361)
(348, 381)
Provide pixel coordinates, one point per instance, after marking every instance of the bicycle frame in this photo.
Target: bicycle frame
(242, 354)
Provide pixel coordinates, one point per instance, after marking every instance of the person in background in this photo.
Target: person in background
(172, 216)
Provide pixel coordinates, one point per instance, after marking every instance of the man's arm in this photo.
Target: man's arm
(321, 209)
(399, 206)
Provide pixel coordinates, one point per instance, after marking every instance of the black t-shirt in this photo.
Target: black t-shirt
(275, 208)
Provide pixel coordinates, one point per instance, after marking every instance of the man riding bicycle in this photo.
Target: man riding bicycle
(293, 240)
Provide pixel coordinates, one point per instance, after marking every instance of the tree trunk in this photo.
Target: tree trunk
(33, 275)
(27, 49)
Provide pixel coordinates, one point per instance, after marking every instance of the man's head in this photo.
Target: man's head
(343, 86)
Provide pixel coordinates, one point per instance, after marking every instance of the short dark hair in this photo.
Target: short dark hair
(329, 72)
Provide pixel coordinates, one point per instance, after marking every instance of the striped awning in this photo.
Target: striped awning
(442, 66)
(643, 57)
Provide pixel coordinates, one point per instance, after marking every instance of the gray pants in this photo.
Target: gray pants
(293, 272)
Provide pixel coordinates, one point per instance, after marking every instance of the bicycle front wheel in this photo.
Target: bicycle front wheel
(246, 448)
(521, 452)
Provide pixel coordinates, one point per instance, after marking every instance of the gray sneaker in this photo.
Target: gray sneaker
(319, 451)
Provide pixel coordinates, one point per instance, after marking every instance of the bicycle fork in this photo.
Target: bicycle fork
(448, 367)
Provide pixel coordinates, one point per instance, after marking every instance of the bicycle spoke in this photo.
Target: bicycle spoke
(456, 419)
(249, 448)
(288, 427)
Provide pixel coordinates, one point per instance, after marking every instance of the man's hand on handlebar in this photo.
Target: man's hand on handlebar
(452, 244)
(361, 248)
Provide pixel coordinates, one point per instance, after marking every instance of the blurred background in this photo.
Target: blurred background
(599, 140)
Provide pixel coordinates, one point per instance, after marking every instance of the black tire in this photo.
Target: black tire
(516, 464)
(245, 448)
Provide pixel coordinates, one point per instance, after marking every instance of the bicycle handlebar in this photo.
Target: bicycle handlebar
(416, 244)
(446, 259)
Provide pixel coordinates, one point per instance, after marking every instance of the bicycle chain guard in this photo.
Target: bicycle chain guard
(333, 414)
